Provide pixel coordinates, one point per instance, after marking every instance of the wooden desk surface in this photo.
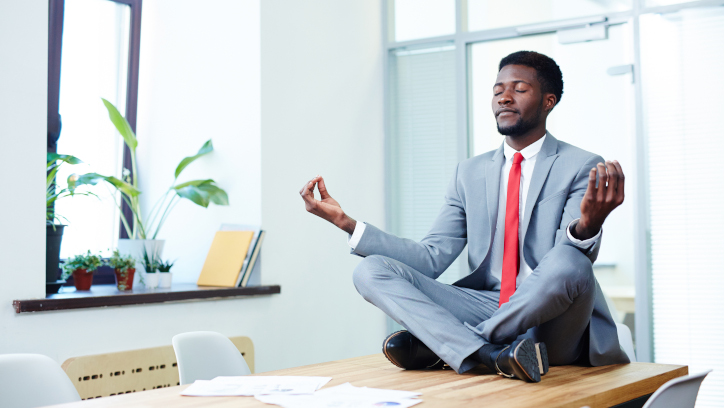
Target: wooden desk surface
(566, 386)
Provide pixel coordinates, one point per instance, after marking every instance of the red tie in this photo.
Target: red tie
(511, 234)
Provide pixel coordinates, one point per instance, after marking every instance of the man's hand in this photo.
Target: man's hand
(599, 201)
(326, 208)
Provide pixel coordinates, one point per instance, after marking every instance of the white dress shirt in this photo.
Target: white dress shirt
(527, 169)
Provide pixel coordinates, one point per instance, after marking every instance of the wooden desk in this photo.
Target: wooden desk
(567, 386)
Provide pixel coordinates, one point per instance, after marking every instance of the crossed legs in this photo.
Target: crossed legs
(552, 305)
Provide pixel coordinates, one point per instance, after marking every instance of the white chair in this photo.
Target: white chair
(33, 380)
(678, 393)
(625, 341)
(204, 355)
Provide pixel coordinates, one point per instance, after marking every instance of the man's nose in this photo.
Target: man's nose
(505, 98)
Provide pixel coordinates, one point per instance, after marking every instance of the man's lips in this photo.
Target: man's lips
(501, 111)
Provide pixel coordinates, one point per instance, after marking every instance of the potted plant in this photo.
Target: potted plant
(53, 221)
(82, 268)
(124, 266)
(143, 229)
(151, 265)
(165, 274)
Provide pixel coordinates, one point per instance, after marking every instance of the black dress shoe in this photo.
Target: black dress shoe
(406, 351)
(520, 360)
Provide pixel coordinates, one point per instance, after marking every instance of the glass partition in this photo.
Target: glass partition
(682, 71)
(416, 19)
(423, 145)
(488, 14)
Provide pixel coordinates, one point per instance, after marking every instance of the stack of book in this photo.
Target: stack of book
(234, 257)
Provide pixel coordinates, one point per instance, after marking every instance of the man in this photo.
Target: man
(531, 213)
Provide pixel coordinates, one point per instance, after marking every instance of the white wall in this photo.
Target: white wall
(200, 79)
(321, 112)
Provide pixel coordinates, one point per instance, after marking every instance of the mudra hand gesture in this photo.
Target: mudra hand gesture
(327, 207)
(599, 201)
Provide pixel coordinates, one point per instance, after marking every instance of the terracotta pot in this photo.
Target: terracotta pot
(124, 280)
(82, 279)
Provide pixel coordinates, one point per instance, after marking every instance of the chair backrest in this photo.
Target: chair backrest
(678, 393)
(33, 380)
(625, 340)
(204, 355)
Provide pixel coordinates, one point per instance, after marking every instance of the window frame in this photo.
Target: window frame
(56, 13)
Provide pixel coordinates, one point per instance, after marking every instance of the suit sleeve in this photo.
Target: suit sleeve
(572, 208)
(436, 251)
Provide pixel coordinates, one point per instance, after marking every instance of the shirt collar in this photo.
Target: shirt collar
(528, 152)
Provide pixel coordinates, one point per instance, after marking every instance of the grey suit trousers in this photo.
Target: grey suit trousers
(553, 305)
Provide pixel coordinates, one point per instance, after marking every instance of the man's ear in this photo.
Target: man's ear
(549, 102)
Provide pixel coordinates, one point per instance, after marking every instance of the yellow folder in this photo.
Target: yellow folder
(225, 258)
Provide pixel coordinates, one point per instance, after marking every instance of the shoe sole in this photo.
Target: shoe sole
(542, 357)
(526, 358)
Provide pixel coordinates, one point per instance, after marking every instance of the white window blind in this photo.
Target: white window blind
(682, 71)
(423, 145)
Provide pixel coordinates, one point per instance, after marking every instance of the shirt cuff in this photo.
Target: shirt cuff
(583, 244)
(354, 239)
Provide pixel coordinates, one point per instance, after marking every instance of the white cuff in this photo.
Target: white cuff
(583, 244)
(354, 239)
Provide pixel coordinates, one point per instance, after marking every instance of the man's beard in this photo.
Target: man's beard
(521, 126)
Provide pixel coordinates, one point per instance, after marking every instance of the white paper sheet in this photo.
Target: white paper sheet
(345, 396)
(248, 386)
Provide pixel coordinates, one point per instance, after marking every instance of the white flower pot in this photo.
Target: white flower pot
(164, 279)
(151, 280)
(135, 248)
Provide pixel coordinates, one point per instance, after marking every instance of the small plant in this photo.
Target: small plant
(121, 263)
(87, 261)
(150, 263)
(165, 266)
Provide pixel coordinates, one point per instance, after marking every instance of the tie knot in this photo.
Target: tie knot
(518, 158)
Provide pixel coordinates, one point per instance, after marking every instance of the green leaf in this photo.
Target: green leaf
(93, 178)
(122, 125)
(194, 194)
(202, 192)
(193, 183)
(54, 157)
(205, 149)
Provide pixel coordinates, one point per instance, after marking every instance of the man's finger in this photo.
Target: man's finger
(308, 191)
(306, 186)
(592, 186)
(323, 189)
(620, 185)
(602, 188)
(613, 181)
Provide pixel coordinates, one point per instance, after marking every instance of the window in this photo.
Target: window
(99, 59)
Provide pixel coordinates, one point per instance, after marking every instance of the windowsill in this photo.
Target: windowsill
(109, 295)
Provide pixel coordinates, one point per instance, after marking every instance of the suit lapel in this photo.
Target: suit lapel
(493, 180)
(544, 161)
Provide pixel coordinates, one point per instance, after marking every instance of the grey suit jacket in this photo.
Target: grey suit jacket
(469, 215)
